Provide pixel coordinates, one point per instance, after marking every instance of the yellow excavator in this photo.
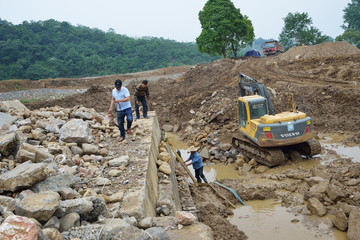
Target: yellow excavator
(268, 137)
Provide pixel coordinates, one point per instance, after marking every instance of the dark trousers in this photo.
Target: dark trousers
(199, 173)
(145, 106)
(121, 120)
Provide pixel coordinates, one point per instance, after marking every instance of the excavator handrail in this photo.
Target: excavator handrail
(291, 99)
(255, 87)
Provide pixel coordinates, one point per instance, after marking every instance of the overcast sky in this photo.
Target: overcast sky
(172, 19)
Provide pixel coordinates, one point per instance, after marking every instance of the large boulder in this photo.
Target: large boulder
(120, 161)
(335, 193)
(7, 203)
(15, 105)
(6, 119)
(82, 115)
(17, 227)
(165, 168)
(340, 221)
(158, 233)
(168, 128)
(353, 232)
(56, 183)
(68, 221)
(184, 218)
(23, 176)
(81, 206)
(40, 206)
(314, 180)
(205, 153)
(8, 143)
(316, 207)
(76, 130)
(24, 156)
(52, 233)
(109, 229)
(89, 149)
(165, 156)
(53, 125)
(98, 208)
(319, 188)
(40, 153)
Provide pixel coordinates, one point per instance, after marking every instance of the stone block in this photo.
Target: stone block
(23, 176)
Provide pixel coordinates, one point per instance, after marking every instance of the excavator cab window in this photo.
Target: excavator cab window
(242, 114)
(257, 110)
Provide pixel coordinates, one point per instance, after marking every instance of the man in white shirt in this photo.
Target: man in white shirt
(121, 96)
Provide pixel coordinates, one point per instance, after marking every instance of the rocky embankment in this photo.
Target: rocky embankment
(65, 176)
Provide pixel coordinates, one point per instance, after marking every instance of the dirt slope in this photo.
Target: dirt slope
(325, 87)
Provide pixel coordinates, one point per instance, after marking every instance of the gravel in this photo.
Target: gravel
(39, 94)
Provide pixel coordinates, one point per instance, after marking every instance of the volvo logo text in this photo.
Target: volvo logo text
(292, 134)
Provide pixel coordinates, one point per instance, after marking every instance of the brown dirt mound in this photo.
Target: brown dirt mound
(328, 49)
(326, 88)
(76, 83)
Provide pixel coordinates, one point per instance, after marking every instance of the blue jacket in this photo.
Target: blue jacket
(196, 160)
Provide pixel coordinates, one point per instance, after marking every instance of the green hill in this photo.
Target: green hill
(50, 49)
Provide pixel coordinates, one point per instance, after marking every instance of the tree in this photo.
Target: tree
(351, 36)
(351, 24)
(352, 16)
(224, 29)
(298, 30)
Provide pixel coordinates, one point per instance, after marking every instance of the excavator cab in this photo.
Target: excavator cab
(251, 108)
(258, 110)
(255, 107)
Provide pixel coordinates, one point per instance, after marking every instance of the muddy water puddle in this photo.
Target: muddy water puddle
(330, 145)
(267, 219)
(213, 172)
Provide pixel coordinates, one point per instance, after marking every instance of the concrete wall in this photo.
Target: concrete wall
(174, 183)
(151, 181)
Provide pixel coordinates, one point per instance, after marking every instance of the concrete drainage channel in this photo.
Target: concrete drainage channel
(158, 202)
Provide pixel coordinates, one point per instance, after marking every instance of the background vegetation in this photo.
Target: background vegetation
(224, 29)
(351, 24)
(50, 49)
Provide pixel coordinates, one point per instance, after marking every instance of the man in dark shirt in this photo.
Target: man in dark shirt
(141, 91)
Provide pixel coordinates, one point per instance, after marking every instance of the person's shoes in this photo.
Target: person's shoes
(146, 117)
(205, 181)
(121, 139)
(137, 118)
(128, 131)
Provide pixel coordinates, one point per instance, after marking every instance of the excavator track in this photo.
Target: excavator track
(270, 157)
(309, 148)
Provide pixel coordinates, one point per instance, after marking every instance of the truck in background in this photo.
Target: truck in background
(272, 48)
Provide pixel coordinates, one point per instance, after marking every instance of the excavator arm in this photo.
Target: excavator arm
(253, 86)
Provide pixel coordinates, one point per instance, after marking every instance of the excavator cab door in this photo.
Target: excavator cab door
(243, 118)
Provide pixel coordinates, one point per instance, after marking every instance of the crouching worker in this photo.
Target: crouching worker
(197, 163)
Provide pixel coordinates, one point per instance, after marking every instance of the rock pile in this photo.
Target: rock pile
(64, 176)
(211, 127)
